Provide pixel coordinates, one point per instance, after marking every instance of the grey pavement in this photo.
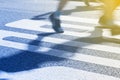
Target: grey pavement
(31, 50)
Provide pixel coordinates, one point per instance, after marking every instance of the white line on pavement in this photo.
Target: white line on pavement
(36, 25)
(63, 54)
(62, 41)
(56, 73)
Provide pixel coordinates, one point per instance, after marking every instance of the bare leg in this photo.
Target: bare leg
(87, 2)
(60, 7)
(108, 10)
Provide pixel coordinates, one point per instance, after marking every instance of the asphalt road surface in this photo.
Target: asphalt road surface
(31, 50)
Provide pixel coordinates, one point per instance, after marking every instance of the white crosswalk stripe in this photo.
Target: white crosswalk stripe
(55, 72)
(34, 25)
(61, 41)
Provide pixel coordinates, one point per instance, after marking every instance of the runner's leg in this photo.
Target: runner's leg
(55, 17)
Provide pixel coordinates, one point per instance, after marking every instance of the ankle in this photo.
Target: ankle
(57, 14)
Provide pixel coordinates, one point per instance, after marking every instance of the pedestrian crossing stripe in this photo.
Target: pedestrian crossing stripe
(23, 26)
(61, 41)
(56, 73)
(37, 26)
(83, 20)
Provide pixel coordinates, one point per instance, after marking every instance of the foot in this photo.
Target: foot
(56, 24)
(105, 21)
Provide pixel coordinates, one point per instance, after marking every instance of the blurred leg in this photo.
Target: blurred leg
(55, 17)
(108, 10)
(87, 2)
(60, 7)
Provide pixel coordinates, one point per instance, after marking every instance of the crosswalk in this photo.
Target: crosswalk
(87, 54)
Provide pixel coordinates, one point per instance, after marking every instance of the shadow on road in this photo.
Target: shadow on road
(29, 59)
(42, 16)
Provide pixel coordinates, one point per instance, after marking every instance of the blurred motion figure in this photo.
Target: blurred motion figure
(55, 16)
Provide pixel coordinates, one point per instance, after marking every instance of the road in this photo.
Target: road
(31, 50)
